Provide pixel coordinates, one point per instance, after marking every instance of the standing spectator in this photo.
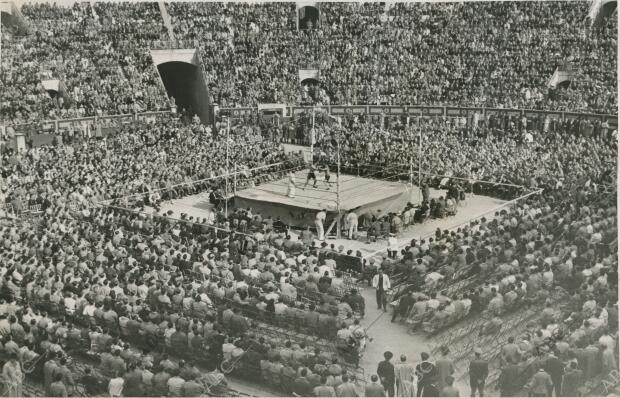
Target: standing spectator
(115, 386)
(381, 283)
(508, 381)
(426, 372)
(385, 370)
(555, 368)
(445, 368)
(573, 380)
(509, 352)
(13, 376)
(352, 223)
(291, 185)
(319, 221)
(404, 372)
(392, 245)
(541, 384)
(478, 372)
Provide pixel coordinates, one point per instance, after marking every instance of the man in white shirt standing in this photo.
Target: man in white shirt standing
(381, 282)
(318, 222)
(392, 246)
(115, 386)
(352, 223)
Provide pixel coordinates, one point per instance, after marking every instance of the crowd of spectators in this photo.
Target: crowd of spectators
(99, 54)
(142, 158)
(431, 61)
(518, 258)
(562, 237)
(249, 51)
(252, 54)
(126, 287)
(368, 53)
(97, 281)
(497, 149)
(565, 237)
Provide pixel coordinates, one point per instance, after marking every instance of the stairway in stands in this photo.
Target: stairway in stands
(167, 19)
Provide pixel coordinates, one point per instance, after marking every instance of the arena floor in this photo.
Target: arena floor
(474, 206)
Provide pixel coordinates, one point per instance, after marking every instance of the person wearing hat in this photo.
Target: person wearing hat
(381, 283)
(426, 373)
(478, 372)
(385, 370)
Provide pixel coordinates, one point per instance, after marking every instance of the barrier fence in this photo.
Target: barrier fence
(54, 126)
(246, 173)
(421, 110)
(372, 110)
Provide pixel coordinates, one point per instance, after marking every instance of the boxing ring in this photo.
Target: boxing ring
(365, 196)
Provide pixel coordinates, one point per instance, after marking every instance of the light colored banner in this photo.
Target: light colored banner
(308, 74)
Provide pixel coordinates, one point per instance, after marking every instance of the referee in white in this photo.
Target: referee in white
(318, 222)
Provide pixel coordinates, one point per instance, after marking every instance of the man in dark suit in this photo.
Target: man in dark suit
(478, 372)
(508, 381)
(555, 368)
(385, 370)
(573, 380)
(426, 373)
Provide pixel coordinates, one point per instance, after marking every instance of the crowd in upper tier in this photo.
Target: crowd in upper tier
(99, 54)
(412, 53)
(366, 53)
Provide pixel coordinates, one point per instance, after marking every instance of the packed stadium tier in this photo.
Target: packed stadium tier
(492, 65)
